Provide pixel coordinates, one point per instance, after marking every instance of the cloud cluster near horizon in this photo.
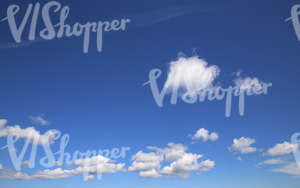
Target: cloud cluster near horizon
(171, 161)
(148, 165)
(88, 167)
(181, 162)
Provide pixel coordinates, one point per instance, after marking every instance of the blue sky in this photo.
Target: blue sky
(100, 101)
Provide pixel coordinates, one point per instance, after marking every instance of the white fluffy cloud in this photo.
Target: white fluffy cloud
(145, 162)
(190, 74)
(97, 165)
(181, 163)
(172, 152)
(28, 133)
(282, 149)
(204, 135)
(39, 120)
(243, 145)
(188, 162)
(153, 173)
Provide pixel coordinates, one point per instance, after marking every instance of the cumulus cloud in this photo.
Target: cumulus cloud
(145, 162)
(153, 173)
(97, 165)
(243, 145)
(188, 162)
(39, 120)
(190, 74)
(13, 175)
(172, 152)
(282, 149)
(29, 133)
(181, 163)
(204, 135)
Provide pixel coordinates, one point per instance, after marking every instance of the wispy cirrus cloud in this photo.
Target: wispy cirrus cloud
(290, 168)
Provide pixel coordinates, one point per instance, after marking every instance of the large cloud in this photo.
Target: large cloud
(243, 145)
(190, 74)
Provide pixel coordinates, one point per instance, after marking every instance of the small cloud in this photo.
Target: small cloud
(239, 158)
(282, 149)
(29, 133)
(39, 120)
(274, 161)
(204, 135)
(243, 145)
(2, 123)
(239, 72)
